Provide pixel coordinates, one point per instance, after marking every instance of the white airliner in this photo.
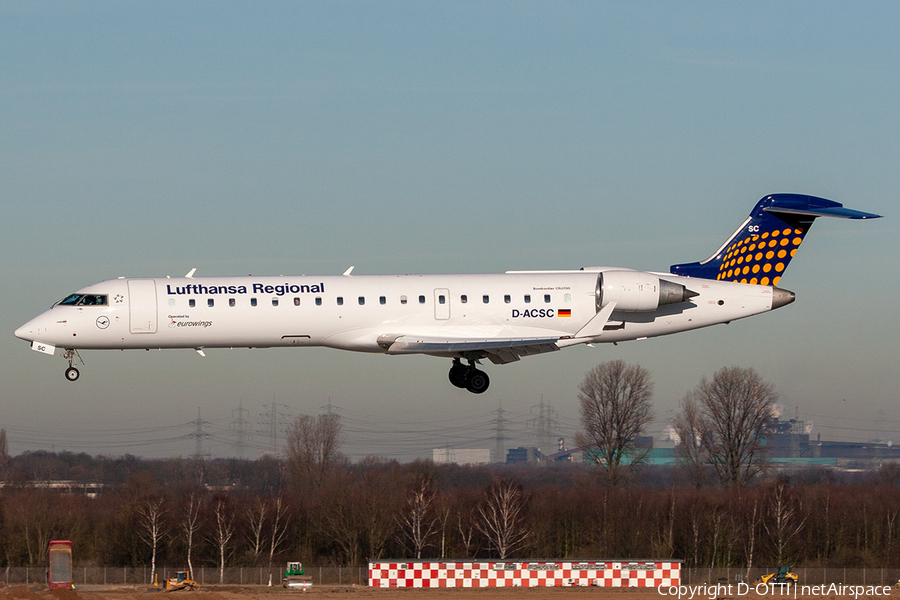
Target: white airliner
(500, 317)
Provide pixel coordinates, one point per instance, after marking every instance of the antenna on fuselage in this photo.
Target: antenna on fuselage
(190, 274)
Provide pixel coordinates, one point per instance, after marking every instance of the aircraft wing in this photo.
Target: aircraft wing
(499, 351)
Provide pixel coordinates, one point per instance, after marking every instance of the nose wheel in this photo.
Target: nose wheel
(71, 354)
(469, 377)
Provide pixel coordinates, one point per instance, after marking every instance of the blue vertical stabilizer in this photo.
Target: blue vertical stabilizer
(763, 246)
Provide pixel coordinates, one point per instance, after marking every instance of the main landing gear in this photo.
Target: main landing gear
(72, 373)
(468, 377)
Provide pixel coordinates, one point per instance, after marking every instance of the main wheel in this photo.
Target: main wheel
(72, 374)
(458, 375)
(477, 382)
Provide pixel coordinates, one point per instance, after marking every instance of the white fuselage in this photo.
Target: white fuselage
(355, 312)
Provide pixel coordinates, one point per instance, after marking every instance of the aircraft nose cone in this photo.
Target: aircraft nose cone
(781, 297)
(23, 332)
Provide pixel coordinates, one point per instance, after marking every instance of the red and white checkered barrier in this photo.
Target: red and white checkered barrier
(538, 573)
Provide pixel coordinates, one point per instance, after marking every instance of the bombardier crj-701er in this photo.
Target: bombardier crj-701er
(465, 318)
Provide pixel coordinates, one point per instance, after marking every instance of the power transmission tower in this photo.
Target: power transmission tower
(275, 420)
(329, 408)
(199, 435)
(544, 424)
(241, 429)
(500, 433)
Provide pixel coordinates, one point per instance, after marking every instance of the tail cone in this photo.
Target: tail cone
(781, 297)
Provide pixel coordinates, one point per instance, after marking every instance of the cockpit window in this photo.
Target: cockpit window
(85, 300)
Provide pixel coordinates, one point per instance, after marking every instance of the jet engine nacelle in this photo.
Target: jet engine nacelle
(636, 291)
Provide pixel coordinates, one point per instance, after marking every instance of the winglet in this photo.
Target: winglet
(190, 274)
(347, 272)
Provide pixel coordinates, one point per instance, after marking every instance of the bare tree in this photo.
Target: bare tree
(4, 452)
(690, 432)
(152, 528)
(339, 517)
(313, 448)
(502, 517)
(782, 524)
(418, 522)
(465, 525)
(382, 498)
(190, 525)
(280, 520)
(256, 522)
(223, 532)
(615, 409)
(752, 522)
(729, 415)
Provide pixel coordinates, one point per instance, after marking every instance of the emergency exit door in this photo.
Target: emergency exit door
(442, 304)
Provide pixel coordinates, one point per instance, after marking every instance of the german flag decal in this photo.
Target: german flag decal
(564, 312)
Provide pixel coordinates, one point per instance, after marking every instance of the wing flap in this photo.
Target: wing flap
(499, 351)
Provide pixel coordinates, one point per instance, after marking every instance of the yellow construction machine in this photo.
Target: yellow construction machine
(784, 577)
(181, 581)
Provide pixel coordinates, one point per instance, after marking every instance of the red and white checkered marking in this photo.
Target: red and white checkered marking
(472, 574)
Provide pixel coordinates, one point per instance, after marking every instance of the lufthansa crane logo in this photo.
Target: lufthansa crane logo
(103, 322)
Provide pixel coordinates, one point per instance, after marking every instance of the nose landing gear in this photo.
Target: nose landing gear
(70, 354)
(469, 377)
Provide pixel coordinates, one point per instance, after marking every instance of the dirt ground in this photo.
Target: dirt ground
(365, 593)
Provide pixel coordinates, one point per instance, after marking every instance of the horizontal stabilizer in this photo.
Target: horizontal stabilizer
(838, 212)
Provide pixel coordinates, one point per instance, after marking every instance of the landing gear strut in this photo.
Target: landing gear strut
(72, 373)
(469, 377)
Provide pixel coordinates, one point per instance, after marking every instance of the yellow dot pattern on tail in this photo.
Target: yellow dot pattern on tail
(761, 258)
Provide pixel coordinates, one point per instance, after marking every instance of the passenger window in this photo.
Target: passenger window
(485, 299)
(567, 298)
(421, 299)
(527, 298)
(210, 302)
(274, 301)
(463, 298)
(252, 301)
(340, 300)
(382, 300)
(296, 301)
(442, 299)
(231, 302)
(318, 302)
(547, 298)
(362, 300)
(171, 302)
(402, 299)
(507, 299)
(192, 303)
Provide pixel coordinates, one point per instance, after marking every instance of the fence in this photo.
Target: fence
(204, 576)
(806, 575)
(359, 575)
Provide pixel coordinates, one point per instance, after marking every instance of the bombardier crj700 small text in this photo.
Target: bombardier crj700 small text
(466, 318)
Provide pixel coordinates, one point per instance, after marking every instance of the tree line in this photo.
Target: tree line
(719, 507)
(380, 509)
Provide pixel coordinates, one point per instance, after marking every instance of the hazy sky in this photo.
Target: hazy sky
(147, 138)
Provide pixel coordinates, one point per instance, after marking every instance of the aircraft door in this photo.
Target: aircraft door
(441, 304)
(142, 305)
